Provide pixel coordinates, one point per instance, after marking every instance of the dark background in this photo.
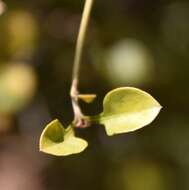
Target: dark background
(140, 43)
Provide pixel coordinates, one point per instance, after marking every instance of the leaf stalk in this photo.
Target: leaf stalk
(79, 120)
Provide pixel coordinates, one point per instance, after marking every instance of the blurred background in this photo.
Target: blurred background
(140, 43)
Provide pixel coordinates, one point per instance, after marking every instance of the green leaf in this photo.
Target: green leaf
(128, 109)
(58, 141)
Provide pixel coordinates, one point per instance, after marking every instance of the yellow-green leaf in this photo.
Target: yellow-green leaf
(128, 109)
(88, 98)
(58, 141)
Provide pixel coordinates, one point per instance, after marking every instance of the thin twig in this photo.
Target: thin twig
(78, 116)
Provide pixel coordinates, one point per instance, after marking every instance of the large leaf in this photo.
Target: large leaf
(128, 109)
(58, 141)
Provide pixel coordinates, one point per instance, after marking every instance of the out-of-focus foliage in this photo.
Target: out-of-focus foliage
(175, 27)
(127, 60)
(135, 174)
(22, 32)
(17, 84)
(2, 7)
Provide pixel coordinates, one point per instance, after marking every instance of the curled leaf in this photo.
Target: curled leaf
(128, 109)
(58, 141)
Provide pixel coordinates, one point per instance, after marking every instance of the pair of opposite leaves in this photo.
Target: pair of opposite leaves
(125, 109)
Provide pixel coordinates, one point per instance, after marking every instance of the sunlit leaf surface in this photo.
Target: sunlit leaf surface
(128, 109)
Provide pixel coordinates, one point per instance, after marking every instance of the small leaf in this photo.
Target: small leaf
(58, 141)
(88, 98)
(128, 109)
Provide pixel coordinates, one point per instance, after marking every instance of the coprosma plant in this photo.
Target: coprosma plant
(125, 109)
